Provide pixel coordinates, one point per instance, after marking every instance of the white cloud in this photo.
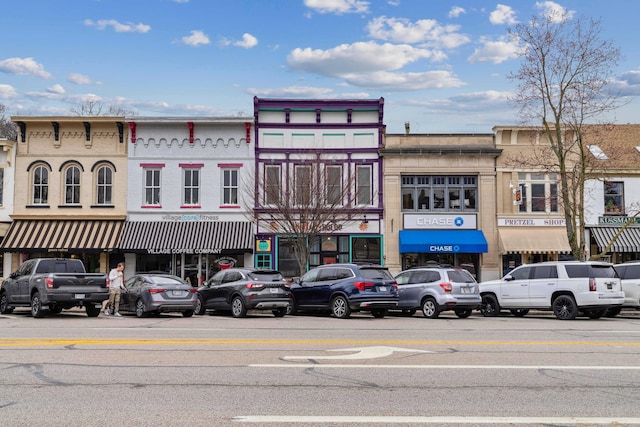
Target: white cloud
(24, 66)
(196, 38)
(338, 7)
(495, 51)
(79, 79)
(554, 11)
(7, 92)
(293, 92)
(248, 41)
(117, 26)
(627, 84)
(355, 58)
(383, 80)
(503, 15)
(456, 11)
(56, 89)
(426, 31)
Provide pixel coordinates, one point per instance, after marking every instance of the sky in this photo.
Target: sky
(440, 65)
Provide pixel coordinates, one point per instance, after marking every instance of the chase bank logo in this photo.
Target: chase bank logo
(459, 222)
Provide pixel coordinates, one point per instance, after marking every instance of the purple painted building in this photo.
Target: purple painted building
(337, 141)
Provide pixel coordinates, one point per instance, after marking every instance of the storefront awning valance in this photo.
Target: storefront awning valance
(187, 236)
(62, 235)
(442, 241)
(534, 240)
(628, 241)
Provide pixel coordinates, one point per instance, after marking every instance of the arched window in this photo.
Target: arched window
(40, 185)
(104, 185)
(72, 185)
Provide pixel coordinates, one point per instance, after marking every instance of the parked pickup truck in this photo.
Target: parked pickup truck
(51, 285)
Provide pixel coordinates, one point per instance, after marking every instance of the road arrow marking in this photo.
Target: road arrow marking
(374, 352)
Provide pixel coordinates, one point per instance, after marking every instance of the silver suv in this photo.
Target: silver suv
(569, 288)
(434, 289)
(629, 274)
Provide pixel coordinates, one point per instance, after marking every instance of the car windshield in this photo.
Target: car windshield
(376, 273)
(460, 276)
(267, 276)
(591, 270)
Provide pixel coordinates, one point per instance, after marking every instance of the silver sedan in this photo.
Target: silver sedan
(158, 293)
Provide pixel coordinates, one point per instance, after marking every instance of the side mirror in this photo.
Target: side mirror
(508, 278)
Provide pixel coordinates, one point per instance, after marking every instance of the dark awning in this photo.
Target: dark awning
(442, 241)
(187, 236)
(628, 241)
(62, 235)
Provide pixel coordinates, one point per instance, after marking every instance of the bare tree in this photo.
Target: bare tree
(561, 85)
(305, 201)
(7, 127)
(95, 107)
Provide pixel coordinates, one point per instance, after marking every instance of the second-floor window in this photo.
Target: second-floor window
(104, 185)
(230, 186)
(191, 187)
(152, 187)
(613, 198)
(539, 192)
(444, 193)
(363, 185)
(303, 185)
(334, 185)
(40, 186)
(72, 185)
(272, 185)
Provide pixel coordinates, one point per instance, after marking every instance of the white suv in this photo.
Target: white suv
(629, 274)
(568, 288)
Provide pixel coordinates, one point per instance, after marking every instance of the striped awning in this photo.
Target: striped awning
(62, 235)
(534, 240)
(187, 236)
(627, 241)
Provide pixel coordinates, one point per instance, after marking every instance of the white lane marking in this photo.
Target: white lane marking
(437, 420)
(372, 352)
(536, 367)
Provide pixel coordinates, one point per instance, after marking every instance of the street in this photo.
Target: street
(167, 370)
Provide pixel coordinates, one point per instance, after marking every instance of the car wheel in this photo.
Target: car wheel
(595, 314)
(279, 312)
(200, 310)
(340, 307)
(36, 306)
(238, 309)
(140, 312)
(92, 310)
(463, 313)
(4, 304)
(430, 308)
(613, 312)
(187, 313)
(519, 312)
(490, 306)
(292, 310)
(379, 313)
(565, 308)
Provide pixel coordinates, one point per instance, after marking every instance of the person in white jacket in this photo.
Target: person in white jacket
(116, 285)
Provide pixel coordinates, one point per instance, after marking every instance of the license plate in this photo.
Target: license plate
(176, 293)
(274, 290)
(382, 288)
(609, 286)
(79, 296)
(466, 290)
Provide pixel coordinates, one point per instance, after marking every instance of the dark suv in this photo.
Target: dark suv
(344, 288)
(240, 289)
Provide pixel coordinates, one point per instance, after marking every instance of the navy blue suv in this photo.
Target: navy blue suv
(344, 288)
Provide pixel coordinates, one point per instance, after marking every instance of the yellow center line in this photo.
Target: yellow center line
(34, 342)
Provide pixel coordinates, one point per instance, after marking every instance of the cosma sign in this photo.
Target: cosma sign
(413, 221)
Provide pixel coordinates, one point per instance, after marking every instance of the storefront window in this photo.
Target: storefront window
(366, 249)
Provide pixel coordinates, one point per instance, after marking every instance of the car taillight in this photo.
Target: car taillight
(49, 282)
(156, 291)
(193, 291)
(592, 284)
(361, 285)
(254, 285)
(446, 287)
(394, 285)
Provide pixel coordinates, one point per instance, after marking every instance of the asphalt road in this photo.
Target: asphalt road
(214, 370)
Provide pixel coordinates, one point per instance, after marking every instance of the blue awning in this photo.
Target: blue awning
(439, 241)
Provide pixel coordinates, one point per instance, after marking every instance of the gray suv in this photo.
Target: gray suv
(437, 289)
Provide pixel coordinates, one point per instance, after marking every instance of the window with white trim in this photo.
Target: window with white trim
(613, 198)
(191, 190)
(152, 187)
(72, 185)
(364, 185)
(104, 185)
(272, 185)
(230, 186)
(303, 185)
(333, 176)
(538, 192)
(40, 185)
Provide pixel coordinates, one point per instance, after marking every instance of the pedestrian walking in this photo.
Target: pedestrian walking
(116, 285)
